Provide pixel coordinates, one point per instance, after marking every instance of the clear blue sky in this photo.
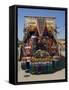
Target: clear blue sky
(60, 19)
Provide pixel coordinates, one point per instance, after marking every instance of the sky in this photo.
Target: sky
(60, 19)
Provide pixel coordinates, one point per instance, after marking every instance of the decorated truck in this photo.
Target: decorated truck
(40, 46)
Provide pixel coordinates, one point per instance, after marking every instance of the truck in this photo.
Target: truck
(40, 40)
